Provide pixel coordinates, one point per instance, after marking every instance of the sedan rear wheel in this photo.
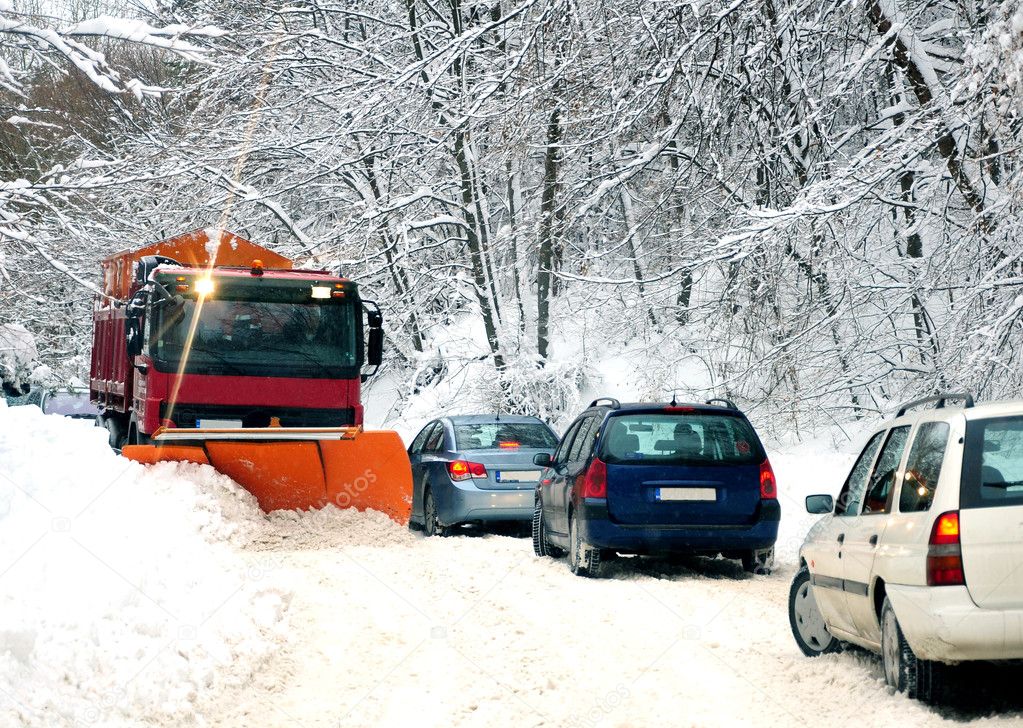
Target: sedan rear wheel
(806, 620)
(431, 526)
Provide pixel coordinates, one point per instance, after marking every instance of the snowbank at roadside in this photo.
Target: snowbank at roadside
(123, 595)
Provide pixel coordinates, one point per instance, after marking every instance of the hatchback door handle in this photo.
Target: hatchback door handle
(841, 538)
(873, 540)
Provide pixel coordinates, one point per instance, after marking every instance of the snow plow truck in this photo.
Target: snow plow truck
(208, 348)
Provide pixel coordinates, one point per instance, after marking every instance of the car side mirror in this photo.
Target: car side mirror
(820, 504)
(543, 459)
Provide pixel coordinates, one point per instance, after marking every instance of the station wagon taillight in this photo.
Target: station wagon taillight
(945, 553)
(595, 480)
(768, 485)
(463, 470)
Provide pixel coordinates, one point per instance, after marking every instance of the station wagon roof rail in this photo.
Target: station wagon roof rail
(940, 399)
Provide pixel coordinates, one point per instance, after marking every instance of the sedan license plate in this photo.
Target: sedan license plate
(219, 424)
(517, 476)
(687, 494)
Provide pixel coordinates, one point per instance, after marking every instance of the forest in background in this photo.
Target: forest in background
(817, 200)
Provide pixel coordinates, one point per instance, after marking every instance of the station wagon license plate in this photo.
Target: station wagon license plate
(517, 476)
(686, 494)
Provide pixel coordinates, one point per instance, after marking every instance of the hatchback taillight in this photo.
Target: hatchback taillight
(463, 470)
(595, 480)
(768, 485)
(945, 553)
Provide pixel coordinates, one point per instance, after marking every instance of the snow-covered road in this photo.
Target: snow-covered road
(139, 597)
(391, 628)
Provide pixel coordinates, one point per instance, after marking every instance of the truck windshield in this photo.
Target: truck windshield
(257, 328)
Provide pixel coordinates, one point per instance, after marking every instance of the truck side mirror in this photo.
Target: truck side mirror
(375, 350)
(133, 335)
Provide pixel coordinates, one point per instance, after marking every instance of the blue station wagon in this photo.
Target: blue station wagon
(657, 479)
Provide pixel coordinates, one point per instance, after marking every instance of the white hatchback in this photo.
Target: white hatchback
(921, 556)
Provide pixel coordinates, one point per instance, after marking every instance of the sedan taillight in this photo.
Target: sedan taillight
(463, 470)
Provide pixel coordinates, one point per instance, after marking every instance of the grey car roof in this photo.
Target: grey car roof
(484, 419)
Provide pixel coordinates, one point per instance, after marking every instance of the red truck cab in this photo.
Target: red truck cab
(208, 330)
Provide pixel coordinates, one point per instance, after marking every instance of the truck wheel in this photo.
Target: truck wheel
(431, 526)
(115, 434)
(806, 620)
(583, 559)
(134, 436)
(921, 680)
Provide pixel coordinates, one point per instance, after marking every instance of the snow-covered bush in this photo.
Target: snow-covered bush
(18, 356)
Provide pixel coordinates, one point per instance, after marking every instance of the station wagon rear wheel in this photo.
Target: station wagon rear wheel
(583, 559)
(541, 545)
(758, 561)
(919, 679)
(806, 620)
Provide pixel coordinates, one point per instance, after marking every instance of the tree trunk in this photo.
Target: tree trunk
(479, 274)
(551, 161)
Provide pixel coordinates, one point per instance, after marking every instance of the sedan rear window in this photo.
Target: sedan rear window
(993, 463)
(510, 435)
(680, 438)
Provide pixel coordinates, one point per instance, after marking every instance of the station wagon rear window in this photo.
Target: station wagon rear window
(670, 438)
(508, 435)
(993, 463)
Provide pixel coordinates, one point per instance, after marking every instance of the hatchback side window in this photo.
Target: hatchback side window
(417, 444)
(852, 492)
(924, 467)
(561, 456)
(583, 444)
(882, 483)
(435, 442)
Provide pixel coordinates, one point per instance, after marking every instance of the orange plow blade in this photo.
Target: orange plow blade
(298, 468)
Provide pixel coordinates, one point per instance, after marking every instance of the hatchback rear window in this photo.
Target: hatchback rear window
(993, 463)
(680, 438)
(511, 435)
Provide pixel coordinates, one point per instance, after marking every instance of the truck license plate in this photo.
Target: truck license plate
(219, 424)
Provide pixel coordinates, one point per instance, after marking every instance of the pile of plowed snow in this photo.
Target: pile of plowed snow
(123, 595)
